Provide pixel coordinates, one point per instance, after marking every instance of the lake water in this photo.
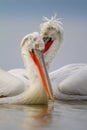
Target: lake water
(58, 116)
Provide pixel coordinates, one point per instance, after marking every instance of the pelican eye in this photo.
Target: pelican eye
(50, 28)
(47, 39)
(35, 39)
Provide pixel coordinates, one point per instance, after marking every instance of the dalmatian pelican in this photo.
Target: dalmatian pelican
(70, 81)
(12, 88)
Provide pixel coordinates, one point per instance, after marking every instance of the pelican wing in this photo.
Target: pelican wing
(70, 81)
(10, 85)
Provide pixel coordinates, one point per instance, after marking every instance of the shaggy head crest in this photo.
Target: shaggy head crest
(53, 19)
(52, 22)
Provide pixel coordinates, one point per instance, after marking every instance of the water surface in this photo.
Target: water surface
(58, 116)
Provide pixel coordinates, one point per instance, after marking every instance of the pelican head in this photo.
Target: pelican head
(32, 41)
(51, 31)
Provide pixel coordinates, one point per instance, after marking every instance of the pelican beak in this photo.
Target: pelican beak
(38, 58)
(48, 42)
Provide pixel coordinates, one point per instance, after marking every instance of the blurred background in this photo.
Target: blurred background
(20, 17)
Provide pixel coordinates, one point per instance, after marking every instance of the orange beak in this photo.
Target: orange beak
(38, 58)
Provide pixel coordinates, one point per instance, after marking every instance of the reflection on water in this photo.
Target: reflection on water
(58, 116)
(25, 117)
(38, 117)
